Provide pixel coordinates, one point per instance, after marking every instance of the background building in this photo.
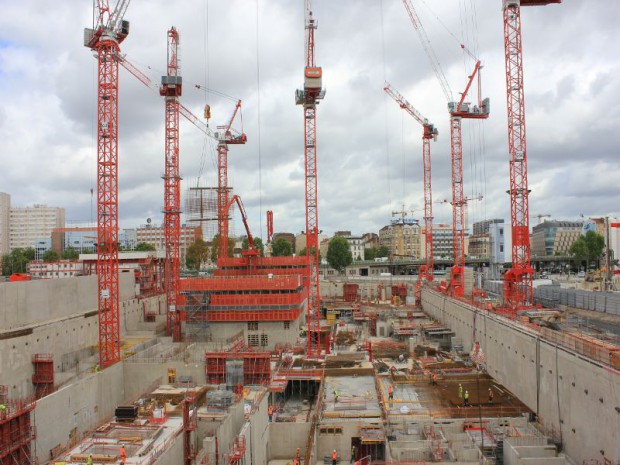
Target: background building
(370, 240)
(402, 239)
(555, 237)
(27, 225)
(442, 241)
(5, 207)
(154, 235)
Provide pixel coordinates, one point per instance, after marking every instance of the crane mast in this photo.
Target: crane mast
(518, 280)
(105, 39)
(225, 136)
(309, 97)
(458, 111)
(172, 88)
(429, 132)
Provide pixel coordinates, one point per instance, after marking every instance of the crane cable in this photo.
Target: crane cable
(260, 164)
(385, 110)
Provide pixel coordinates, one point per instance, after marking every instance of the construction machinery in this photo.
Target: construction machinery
(172, 88)
(308, 98)
(518, 292)
(458, 111)
(429, 132)
(109, 31)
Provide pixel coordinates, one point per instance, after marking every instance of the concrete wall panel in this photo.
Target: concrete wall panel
(575, 398)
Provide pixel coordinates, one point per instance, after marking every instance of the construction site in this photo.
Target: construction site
(265, 362)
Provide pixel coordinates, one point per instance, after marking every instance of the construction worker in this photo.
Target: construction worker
(298, 455)
(89, 461)
(2, 410)
(490, 396)
(334, 457)
(390, 393)
(466, 399)
(335, 396)
(434, 379)
(460, 393)
(123, 455)
(353, 451)
(270, 412)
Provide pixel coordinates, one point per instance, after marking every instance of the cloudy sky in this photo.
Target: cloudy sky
(369, 151)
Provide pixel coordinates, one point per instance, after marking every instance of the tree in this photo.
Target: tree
(51, 256)
(339, 253)
(197, 254)
(17, 261)
(587, 248)
(258, 244)
(144, 247)
(370, 253)
(281, 248)
(70, 254)
(215, 247)
(383, 251)
(302, 253)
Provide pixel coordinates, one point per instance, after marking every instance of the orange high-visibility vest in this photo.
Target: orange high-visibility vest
(271, 410)
(334, 455)
(123, 454)
(390, 390)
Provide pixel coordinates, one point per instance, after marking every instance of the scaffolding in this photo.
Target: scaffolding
(194, 308)
(350, 292)
(189, 426)
(16, 431)
(43, 377)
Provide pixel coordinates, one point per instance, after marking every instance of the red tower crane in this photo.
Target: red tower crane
(458, 111)
(518, 280)
(172, 88)
(225, 135)
(309, 98)
(105, 39)
(430, 132)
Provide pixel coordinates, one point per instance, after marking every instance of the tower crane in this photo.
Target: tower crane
(518, 279)
(308, 98)
(458, 111)
(429, 132)
(171, 88)
(540, 217)
(105, 38)
(226, 135)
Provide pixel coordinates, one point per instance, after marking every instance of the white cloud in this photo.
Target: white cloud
(369, 152)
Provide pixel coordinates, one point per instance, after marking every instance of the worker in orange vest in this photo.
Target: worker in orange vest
(123, 455)
(490, 396)
(270, 411)
(334, 457)
(390, 392)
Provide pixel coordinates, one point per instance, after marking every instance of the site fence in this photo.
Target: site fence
(553, 295)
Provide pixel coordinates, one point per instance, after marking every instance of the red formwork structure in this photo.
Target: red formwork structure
(349, 291)
(238, 451)
(16, 431)
(256, 366)
(400, 291)
(43, 377)
(242, 298)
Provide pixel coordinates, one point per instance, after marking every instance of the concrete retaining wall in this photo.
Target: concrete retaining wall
(31, 302)
(577, 398)
(70, 338)
(79, 407)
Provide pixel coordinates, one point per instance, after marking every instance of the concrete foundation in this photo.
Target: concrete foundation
(575, 398)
